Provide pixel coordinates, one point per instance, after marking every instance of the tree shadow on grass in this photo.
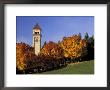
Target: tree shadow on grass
(55, 68)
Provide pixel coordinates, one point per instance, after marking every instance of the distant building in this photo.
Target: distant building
(36, 39)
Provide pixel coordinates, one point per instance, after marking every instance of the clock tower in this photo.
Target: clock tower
(36, 39)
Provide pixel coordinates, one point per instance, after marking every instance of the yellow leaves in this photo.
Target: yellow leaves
(52, 49)
(73, 46)
(66, 55)
(23, 53)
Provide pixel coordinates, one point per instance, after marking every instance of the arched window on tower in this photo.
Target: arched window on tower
(36, 32)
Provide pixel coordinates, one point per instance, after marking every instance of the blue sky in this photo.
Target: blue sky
(54, 28)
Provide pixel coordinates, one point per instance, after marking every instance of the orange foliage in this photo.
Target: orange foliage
(23, 53)
(74, 46)
(52, 49)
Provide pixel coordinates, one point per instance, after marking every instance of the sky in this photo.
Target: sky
(54, 28)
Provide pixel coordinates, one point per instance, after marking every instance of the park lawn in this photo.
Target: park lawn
(85, 67)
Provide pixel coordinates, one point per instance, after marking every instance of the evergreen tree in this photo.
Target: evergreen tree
(86, 37)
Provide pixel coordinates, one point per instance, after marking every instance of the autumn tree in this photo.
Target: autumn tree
(52, 49)
(53, 53)
(74, 47)
(24, 52)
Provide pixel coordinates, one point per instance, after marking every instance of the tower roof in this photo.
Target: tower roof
(37, 26)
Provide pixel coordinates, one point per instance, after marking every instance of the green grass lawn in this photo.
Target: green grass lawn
(86, 67)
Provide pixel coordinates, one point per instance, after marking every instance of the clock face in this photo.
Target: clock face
(36, 39)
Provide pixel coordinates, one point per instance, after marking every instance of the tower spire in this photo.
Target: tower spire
(37, 26)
